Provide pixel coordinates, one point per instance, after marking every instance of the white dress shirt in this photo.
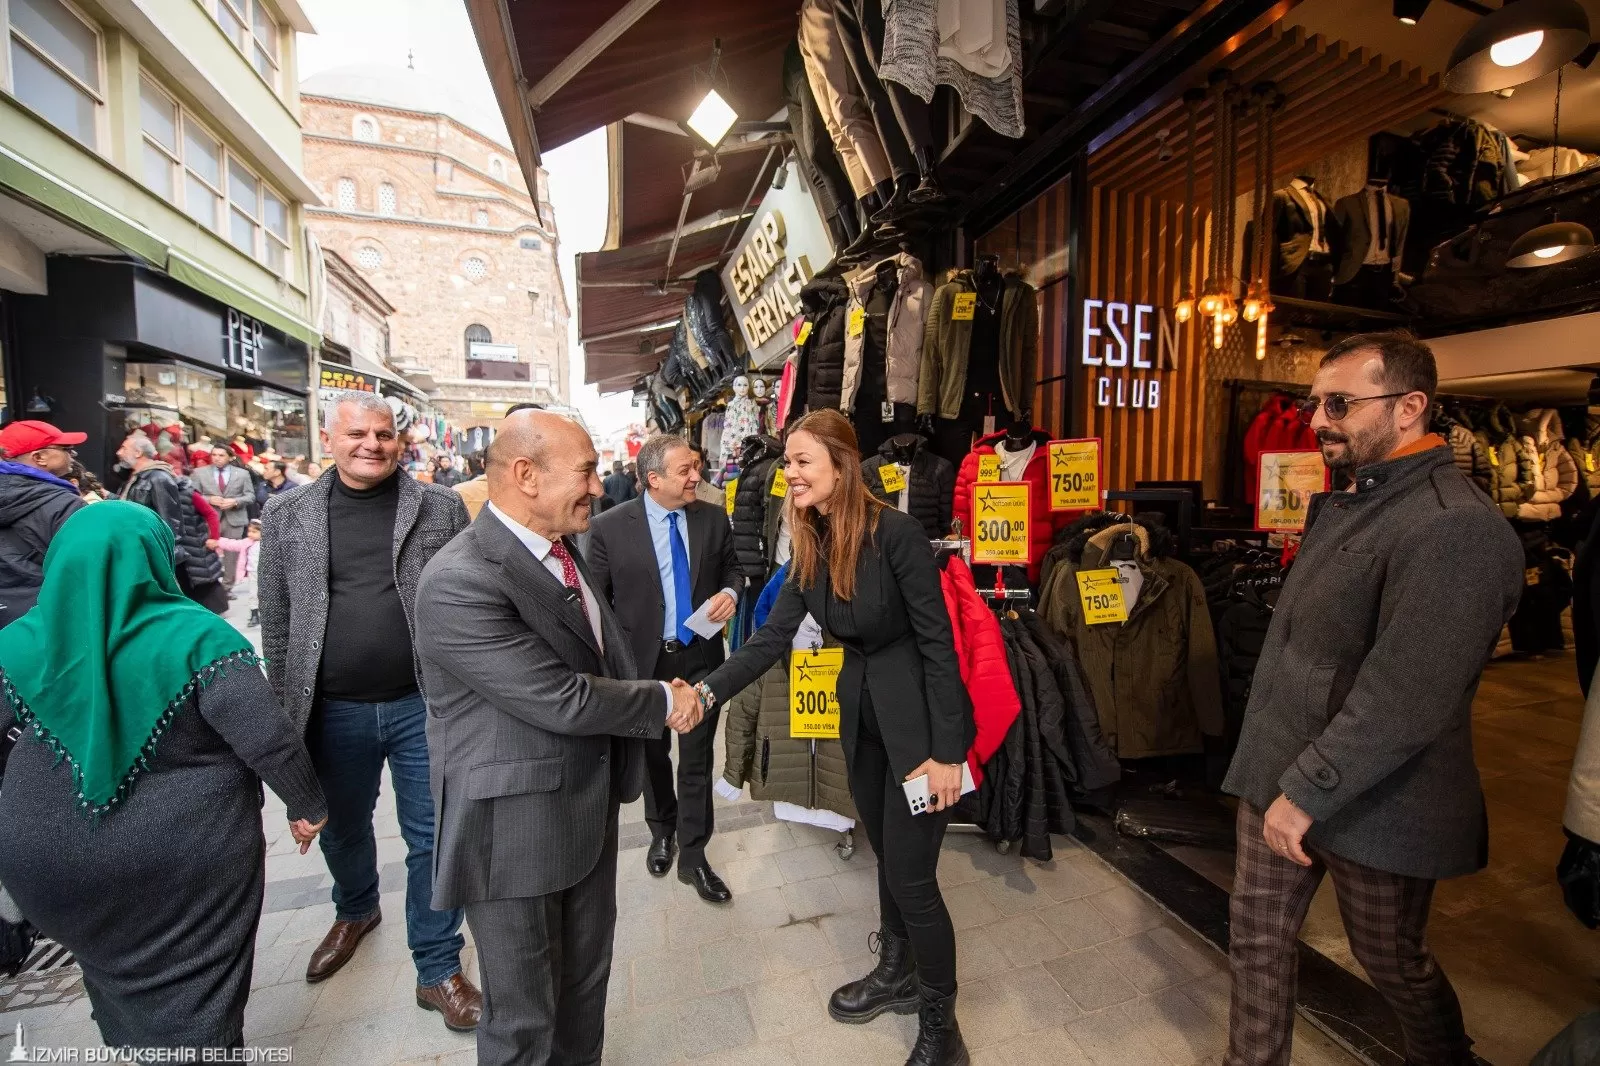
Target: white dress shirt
(1315, 210)
(540, 548)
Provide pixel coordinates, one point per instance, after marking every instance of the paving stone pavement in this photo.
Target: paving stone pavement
(1060, 963)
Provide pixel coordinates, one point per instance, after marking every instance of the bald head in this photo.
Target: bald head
(542, 471)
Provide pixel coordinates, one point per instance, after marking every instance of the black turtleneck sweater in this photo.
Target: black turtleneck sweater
(366, 652)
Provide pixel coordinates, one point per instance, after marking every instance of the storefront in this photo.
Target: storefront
(115, 347)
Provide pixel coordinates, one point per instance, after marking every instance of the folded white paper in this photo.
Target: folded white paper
(701, 622)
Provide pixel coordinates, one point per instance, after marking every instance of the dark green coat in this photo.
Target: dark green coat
(777, 767)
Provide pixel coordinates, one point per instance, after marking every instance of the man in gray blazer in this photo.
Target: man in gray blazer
(1355, 761)
(536, 736)
(227, 486)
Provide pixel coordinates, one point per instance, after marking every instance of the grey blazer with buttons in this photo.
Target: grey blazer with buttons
(292, 579)
(535, 735)
(1361, 707)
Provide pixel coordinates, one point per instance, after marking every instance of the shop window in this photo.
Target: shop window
(275, 217)
(368, 257)
(347, 194)
(55, 66)
(202, 182)
(482, 218)
(475, 267)
(265, 419)
(385, 199)
(254, 32)
(532, 244)
(544, 374)
(366, 128)
(158, 119)
(244, 207)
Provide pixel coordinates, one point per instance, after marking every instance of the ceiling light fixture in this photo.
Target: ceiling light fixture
(1556, 242)
(713, 117)
(1516, 44)
(1410, 11)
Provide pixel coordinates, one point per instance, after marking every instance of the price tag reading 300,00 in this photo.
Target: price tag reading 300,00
(1000, 520)
(814, 693)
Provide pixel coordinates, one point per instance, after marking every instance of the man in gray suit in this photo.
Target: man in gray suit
(227, 487)
(536, 736)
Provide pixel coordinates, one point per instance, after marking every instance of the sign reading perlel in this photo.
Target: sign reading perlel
(242, 343)
(1288, 481)
(783, 248)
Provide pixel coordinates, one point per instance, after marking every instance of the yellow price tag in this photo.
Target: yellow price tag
(966, 304)
(814, 693)
(1494, 456)
(988, 468)
(1000, 523)
(858, 321)
(780, 483)
(804, 334)
(894, 483)
(1288, 481)
(1100, 593)
(1588, 462)
(728, 492)
(1074, 474)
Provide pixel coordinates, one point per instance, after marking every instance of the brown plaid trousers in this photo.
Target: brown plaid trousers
(1385, 917)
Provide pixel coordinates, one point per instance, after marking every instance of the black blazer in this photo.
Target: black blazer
(907, 662)
(622, 557)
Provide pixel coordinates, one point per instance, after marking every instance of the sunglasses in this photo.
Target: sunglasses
(1336, 406)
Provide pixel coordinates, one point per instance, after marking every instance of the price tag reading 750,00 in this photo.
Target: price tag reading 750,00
(1000, 523)
(814, 693)
(1288, 481)
(1074, 474)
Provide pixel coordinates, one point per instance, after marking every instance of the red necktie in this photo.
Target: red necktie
(569, 576)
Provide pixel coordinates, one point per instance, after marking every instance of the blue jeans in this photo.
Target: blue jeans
(349, 741)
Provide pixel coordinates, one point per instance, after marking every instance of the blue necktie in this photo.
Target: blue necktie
(680, 578)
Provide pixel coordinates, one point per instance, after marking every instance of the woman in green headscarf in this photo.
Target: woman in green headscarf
(132, 801)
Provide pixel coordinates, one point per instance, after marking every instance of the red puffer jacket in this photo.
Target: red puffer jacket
(984, 668)
(1043, 523)
(1277, 428)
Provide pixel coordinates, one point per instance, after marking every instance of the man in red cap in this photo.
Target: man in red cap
(35, 498)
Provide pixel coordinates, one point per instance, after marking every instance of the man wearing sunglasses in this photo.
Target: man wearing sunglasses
(1355, 761)
(35, 498)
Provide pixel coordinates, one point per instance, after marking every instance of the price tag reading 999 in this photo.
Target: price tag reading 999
(1000, 519)
(1074, 474)
(1288, 481)
(814, 693)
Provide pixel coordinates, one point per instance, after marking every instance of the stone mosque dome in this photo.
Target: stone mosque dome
(406, 90)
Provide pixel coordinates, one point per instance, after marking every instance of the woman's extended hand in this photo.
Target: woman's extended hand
(944, 783)
(304, 832)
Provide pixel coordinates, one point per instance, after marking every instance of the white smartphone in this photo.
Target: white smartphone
(918, 796)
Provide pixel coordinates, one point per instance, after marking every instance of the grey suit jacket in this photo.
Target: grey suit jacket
(1355, 234)
(238, 486)
(534, 735)
(292, 579)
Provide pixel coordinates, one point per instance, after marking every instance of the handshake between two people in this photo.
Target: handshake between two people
(687, 710)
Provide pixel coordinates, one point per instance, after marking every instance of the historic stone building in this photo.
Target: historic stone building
(434, 211)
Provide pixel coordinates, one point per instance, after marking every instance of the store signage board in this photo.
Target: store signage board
(494, 353)
(1288, 481)
(1000, 519)
(783, 248)
(814, 693)
(1075, 474)
(347, 380)
(1130, 338)
(242, 343)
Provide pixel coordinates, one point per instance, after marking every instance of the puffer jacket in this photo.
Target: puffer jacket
(907, 318)
(1545, 469)
(33, 505)
(1043, 522)
(755, 510)
(1496, 438)
(819, 375)
(947, 347)
(1154, 678)
(762, 754)
(707, 331)
(1471, 458)
(984, 669)
(931, 481)
(172, 497)
(1585, 452)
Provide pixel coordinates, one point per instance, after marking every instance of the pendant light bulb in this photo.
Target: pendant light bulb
(1261, 337)
(1228, 313)
(1209, 303)
(1557, 242)
(1183, 310)
(1252, 309)
(1514, 50)
(1216, 332)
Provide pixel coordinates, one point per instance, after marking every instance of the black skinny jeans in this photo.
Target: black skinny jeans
(907, 847)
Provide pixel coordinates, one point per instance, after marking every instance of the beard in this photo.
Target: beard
(1351, 451)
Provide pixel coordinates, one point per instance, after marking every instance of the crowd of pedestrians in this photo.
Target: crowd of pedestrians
(518, 642)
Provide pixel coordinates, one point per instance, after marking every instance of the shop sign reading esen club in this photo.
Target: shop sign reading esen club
(1128, 336)
(781, 251)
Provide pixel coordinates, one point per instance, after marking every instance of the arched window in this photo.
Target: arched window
(497, 168)
(347, 194)
(368, 257)
(366, 128)
(477, 334)
(385, 199)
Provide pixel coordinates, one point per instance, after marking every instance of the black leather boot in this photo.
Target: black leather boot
(891, 986)
(927, 190)
(939, 1040)
(858, 249)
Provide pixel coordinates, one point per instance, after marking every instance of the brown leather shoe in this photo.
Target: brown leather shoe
(337, 947)
(456, 999)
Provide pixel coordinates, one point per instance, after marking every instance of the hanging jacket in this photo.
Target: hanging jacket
(1545, 470)
(947, 346)
(902, 355)
(1496, 438)
(1585, 452)
(1154, 677)
(931, 483)
(1471, 458)
(762, 754)
(755, 509)
(1275, 428)
(702, 311)
(982, 655)
(819, 375)
(1096, 770)
(1043, 523)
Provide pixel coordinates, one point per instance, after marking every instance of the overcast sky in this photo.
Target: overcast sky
(438, 35)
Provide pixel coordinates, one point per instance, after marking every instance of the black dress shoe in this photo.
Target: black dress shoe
(706, 882)
(658, 860)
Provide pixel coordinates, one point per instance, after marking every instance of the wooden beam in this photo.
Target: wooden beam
(587, 52)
